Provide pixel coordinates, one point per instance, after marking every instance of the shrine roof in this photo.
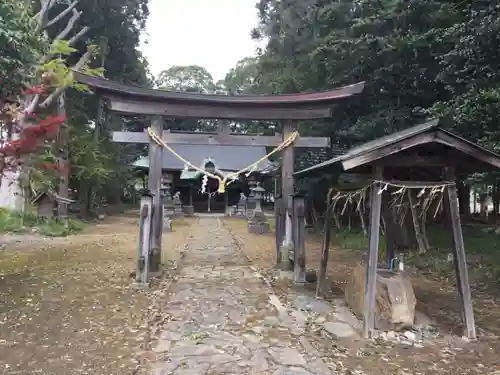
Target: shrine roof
(107, 86)
(475, 158)
(227, 158)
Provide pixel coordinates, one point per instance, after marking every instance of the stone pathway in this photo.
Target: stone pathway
(223, 319)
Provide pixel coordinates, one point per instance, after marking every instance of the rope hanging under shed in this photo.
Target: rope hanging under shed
(429, 188)
(232, 176)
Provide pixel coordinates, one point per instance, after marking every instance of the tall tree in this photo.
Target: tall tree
(242, 78)
(191, 78)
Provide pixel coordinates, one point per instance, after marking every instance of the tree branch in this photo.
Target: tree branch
(61, 15)
(32, 106)
(42, 15)
(78, 35)
(69, 26)
(55, 94)
(28, 110)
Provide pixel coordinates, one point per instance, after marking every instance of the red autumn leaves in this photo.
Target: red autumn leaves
(33, 132)
(35, 90)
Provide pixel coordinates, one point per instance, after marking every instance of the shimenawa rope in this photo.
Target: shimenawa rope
(223, 181)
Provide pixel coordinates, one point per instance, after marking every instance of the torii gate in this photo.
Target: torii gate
(134, 100)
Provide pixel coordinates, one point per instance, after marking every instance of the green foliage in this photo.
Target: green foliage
(89, 160)
(60, 73)
(55, 228)
(418, 58)
(482, 253)
(12, 222)
(61, 47)
(482, 247)
(355, 240)
(42, 179)
(21, 47)
(113, 39)
(112, 42)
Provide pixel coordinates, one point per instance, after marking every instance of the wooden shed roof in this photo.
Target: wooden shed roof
(398, 142)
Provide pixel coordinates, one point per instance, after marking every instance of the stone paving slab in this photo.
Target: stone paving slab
(223, 318)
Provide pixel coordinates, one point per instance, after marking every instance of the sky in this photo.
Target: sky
(212, 33)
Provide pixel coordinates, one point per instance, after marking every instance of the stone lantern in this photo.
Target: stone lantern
(257, 223)
(258, 195)
(166, 193)
(252, 184)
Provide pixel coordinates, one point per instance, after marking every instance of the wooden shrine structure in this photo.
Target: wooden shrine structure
(223, 160)
(421, 153)
(134, 100)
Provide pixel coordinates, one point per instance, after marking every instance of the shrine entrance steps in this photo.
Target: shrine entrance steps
(224, 319)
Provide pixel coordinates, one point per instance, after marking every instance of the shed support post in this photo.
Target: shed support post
(321, 284)
(280, 213)
(154, 185)
(287, 169)
(299, 241)
(372, 264)
(459, 258)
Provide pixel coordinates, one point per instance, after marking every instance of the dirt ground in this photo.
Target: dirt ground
(436, 297)
(67, 305)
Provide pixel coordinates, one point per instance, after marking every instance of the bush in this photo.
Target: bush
(12, 222)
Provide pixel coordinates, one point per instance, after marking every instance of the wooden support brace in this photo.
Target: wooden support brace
(144, 243)
(371, 272)
(321, 284)
(279, 212)
(223, 138)
(299, 240)
(459, 258)
(154, 185)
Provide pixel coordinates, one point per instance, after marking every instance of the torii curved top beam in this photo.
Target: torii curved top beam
(138, 100)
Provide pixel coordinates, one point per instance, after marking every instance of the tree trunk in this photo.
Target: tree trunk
(396, 224)
(496, 199)
(422, 249)
(391, 231)
(63, 160)
(474, 203)
(483, 206)
(84, 196)
(423, 227)
(335, 216)
(362, 219)
(446, 217)
(464, 199)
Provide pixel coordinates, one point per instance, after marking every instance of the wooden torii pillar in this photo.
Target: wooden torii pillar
(126, 99)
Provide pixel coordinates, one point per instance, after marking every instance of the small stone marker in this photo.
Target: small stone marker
(307, 303)
(292, 371)
(339, 330)
(287, 356)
